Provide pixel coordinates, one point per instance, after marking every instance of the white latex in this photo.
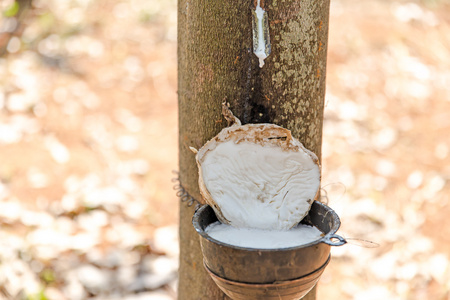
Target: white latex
(261, 51)
(263, 239)
(260, 187)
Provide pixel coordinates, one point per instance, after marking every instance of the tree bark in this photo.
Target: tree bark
(216, 64)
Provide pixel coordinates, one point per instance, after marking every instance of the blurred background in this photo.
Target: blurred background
(88, 142)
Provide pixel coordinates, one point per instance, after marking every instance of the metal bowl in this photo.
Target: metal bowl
(248, 272)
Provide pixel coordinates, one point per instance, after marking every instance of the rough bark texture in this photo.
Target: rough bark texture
(216, 64)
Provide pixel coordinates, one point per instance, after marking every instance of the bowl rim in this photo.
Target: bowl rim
(328, 238)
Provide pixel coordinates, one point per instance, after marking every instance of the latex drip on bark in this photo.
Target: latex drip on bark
(261, 36)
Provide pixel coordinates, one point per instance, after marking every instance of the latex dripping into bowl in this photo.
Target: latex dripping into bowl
(259, 176)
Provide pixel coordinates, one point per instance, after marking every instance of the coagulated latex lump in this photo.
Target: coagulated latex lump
(258, 176)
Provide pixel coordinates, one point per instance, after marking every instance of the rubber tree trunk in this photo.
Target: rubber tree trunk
(216, 64)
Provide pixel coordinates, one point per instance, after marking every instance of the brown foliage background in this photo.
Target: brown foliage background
(88, 140)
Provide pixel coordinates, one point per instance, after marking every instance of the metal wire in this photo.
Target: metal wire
(182, 193)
